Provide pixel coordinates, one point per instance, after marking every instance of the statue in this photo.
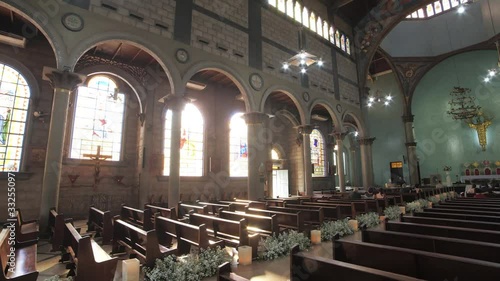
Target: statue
(480, 123)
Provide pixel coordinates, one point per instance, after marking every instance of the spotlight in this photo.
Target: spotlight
(302, 55)
(487, 79)
(461, 9)
(302, 61)
(370, 104)
(285, 66)
(320, 63)
(492, 73)
(303, 70)
(386, 103)
(389, 98)
(371, 99)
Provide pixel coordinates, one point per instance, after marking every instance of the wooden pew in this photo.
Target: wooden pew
(141, 243)
(185, 209)
(307, 267)
(26, 231)
(344, 209)
(314, 216)
(162, 211)
(329, 212)
(253, 204)
(461, 211)
(430, 214)
(264, 225)
(444, 231)
(137, 217)
(214, 208)
(463, 207)
(90, 260)
(224, 273)
(453, 222)
(235, 205)
(233, 233)
(471, 204)
(435, 244)
(419, 264)
(24, 267)
(285, 220)
(56, 227)
(358, 206)
(187, 235)
(102, 223)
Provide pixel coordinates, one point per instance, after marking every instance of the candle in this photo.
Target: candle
(316, 236)
(402, 209)
(245, 255)
(130, 270)
(353, 224)
(429, 204)
(382, 218)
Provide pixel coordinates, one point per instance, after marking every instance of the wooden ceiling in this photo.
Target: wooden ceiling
(214, 77)
(123, 52)
(14, 23)
(352, 11)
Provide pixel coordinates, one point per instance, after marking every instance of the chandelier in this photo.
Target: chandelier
(462, 105)
(379, 98)
(302, 60)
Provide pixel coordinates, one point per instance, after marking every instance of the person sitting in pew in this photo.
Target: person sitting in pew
(479, 194)
(380, 194)
(355, 194)
(368, 194)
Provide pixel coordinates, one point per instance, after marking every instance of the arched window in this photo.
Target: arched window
(275, 155)
(337, 38)
(317, 153)
(446, 5)
(332, 35)
(312, 24)
(348, 46)
(272, 2)
(454, 3)
(305, 17)
(298, 12)
(437, 7)
(191, 145)
(14, 103)
(342, 42)
(238, 146)
(289, 8)
(326, 35)
(430, 10)
(281, 6)
(98, 119)
(319, 26)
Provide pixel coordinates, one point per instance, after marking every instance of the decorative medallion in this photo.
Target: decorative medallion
(256, 81)
(72, 22)
(305, 96)
(182, 55)
(339, 108)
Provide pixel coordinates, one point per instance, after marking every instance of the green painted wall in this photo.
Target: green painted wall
(441, 140)
(386, 125)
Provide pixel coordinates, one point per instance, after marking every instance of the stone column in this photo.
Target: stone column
(339, 141)
(146, 149)
(176, 104)
(305, 131)
(63, 82)
(365, 145)
(258, 153)
(411, 149)
(354, 172)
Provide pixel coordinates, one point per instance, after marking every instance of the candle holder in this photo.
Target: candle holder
(316, 236)
(73, 178)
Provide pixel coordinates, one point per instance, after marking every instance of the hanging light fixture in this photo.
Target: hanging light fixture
(302, 60)
(379, 98)
(462, 106)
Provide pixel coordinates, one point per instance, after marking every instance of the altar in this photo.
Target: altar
(479, 177)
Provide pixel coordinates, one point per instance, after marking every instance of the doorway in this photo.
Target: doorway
(280, 183)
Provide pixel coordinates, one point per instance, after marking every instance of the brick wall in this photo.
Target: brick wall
(273, 61)
(279, 29)
(218, 38)
(233, 10)
(349, 93)
(347, 68)
(155, 16)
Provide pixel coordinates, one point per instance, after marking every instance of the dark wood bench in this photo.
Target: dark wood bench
(414, 263)
(224, 273)
(453, 222)
(233, 233)
(184, 210)
(314, 216)
(137, 217)
(90, 261)
(143, 244)
(235, 205)
(26, 231)
(344, 209)
(444, 231)
(162, 211)
(264, 225)
(102, 223)
(24, 266)
(306, 267)
(293, 221)
(357, 207)
(214, 208)
(461, 211)
(253, 204)
(329, 212)
(463, 207)
(185, 234)
(430, 214)
(56, 227)
(443, 245)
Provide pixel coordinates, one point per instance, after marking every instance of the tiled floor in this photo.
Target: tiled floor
(276, 270)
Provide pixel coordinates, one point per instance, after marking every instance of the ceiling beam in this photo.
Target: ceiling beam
(340, 3)
(136, 55)
(117, 51)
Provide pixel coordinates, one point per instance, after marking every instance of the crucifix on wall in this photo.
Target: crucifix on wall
(97, 166)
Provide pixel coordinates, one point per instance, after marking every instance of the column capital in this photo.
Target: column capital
(339, 136)
(409, 144)
(366, 141)
(305, 129)
(174, 102)
(64, 79)
(255, 117)
(408, 118)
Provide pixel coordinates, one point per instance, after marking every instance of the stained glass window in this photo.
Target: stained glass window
(305, 17)
(326, 34)
(238, 146)
(275, 155)
(348, 46)
(454, 3)
(430, 10)
(14, 103)
(446, 5)
(337, 38)
(289, 8)
(319, 26)
(98, 119)
(281, 5)
(342, 42)
(191, 145)
(332, 35)
(317, 153)
(437, 7)
(312, 20)
(421, 13)
(298, 12)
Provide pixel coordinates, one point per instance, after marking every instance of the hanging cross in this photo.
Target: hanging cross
(97, 169)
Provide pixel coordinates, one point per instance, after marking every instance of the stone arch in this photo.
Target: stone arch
(359, 123)
(279, 149)
(40, 20)
(336, 121)
(231, 73)
(289, 92)
(165, 61)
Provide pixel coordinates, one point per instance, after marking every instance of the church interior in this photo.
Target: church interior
(249, 140)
